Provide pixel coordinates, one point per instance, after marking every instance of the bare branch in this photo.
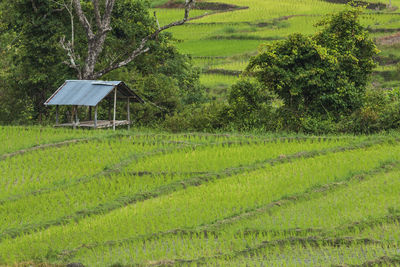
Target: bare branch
(107, 15)
(137, 52)
(71, 14)
(142, 46)
(68, 47)
(35, 9)
(158, 23)
(97, 12)
(188, 6)
(83, 20)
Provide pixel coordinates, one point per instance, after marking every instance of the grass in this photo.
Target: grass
(236, 34)
(132, 198)
(212, 48)
(156, 198)
(217, 85)
(20, 137)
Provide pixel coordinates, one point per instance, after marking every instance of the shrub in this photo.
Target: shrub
(322, 75)
(381, 111)
(250, 104)
(200, 117)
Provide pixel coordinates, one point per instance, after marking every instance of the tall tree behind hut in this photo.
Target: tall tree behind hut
(63, 39)
(125, 22)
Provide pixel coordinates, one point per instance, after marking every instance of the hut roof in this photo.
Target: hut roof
(89, 92)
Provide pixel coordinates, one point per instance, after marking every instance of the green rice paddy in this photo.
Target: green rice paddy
(230, 37)
(127, 198)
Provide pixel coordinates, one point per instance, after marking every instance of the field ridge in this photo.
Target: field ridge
(212, 227)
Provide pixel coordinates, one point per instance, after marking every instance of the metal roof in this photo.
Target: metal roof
(89, 92)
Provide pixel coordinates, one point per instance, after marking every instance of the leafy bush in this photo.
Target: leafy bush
(198, 117)
(325, 74)
(250, 105)
(381, 111)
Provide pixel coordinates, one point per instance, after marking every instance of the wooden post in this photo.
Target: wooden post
(115, 106)
(129, 114)
(109, 109)
(95, 117)
(90, 113)
(72, 114)
(76, 117)
(57, 115)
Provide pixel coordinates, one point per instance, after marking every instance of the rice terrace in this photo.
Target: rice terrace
(192, 175)
(104, 198)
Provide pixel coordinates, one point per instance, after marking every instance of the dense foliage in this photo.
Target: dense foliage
(321, 80)
(325, 74)
(309, 83)
(35, 61)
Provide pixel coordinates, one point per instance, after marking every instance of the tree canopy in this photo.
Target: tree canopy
(48, 42)
(325, 74)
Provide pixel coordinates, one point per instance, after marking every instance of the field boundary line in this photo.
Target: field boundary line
(170, 188)
(381, 261)
(130, 199)
(308, 241)
(44, 146)
(181, 145)
(107, 170)
(65, 142)
(212, 227)
(326, 232)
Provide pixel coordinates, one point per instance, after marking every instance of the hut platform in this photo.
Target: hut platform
(90, 124)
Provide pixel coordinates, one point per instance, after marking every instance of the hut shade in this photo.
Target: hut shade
(88, 92)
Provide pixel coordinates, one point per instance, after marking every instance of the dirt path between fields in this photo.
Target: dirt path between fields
(389, 40)
(40, 147)
(371, 6)
(200, 5)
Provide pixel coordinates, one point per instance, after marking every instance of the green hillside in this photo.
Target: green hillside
(135, 199)
(149, 198)
(224, 39)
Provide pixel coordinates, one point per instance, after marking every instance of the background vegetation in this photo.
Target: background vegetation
(193, 77)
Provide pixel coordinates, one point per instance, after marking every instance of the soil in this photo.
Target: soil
(224, 72)
(40, 147)
(222, 6)
(385, 61)
(389, 40)
(373, 6)
(383, 30)
(202, 6)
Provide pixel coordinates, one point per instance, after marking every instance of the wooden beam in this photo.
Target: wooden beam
(95, 117)
(76, 117)
(72, 114)
(57, 121)
(129, 114)
(109, 108)
(115, 106)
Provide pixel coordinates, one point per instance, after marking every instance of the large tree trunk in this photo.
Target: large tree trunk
(97, 39)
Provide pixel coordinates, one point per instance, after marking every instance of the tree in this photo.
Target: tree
(39, 56)
(321, 75)
(31, 32)
(96, 37)
(248, 104)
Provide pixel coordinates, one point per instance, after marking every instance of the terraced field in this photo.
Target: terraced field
(226, 33)
(101, 198)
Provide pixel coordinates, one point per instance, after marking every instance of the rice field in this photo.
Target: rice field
(127, 198)
(230, 37)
